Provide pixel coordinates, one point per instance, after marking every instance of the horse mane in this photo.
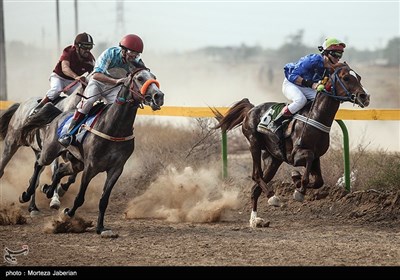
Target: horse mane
(5, 118)
(235, 115)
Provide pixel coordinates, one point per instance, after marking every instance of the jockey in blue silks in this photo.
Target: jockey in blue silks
(302, 79)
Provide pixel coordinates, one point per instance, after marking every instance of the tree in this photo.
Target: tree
(392, 52)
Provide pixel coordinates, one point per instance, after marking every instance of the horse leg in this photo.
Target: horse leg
(10, 148)
(77, 167)
(257, 170)
(271, 167)
(305, 179)
(316, 173)
(33, 210)
(33, 183)
(62, 171)
(63, 187)
(87, 176)
(112, 177)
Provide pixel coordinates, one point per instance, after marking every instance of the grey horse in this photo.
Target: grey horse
(106, 147)
(12, 122)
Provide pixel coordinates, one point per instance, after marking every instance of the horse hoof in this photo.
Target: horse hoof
(298, 196)
(23, 198)
(55, 203)
(44, 188)
(108, 234)
(66, 212)
(60, 191)
(274, 201)
(295, 175)
(34, 213)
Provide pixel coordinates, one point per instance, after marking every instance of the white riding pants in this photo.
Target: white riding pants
(57, 84)
(95, 91)
(297, 94)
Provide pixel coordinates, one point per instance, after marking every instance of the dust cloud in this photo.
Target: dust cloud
(186, 196)
(64, 224)
(16, 178)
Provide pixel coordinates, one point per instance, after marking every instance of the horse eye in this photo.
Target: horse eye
(140, 79)
(346, 78)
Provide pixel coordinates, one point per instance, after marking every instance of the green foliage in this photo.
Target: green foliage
(294, 48)
(392, 52)
(386, 171)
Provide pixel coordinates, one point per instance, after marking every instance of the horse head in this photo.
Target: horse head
(143, 88)
(344, 84)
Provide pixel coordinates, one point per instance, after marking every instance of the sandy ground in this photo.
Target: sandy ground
(330, 228)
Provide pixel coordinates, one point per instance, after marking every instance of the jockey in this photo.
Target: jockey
(75, 60)
(103, 84)
(302, 79)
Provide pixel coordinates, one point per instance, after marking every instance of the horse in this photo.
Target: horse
(304, 140)
(106, 147)
(12, 122)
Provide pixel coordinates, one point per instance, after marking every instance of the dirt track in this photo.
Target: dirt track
(359, 229)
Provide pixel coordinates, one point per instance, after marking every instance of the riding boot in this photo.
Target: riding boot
(40, 105)
(277, 123)
(67, 138)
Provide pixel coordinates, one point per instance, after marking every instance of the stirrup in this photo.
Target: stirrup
(262, 128)
(34, 111)
(65, 140)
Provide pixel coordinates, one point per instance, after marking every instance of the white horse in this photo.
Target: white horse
(11, 123)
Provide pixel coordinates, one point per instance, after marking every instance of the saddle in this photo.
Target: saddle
(90, 119)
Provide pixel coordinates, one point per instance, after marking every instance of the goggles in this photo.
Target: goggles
(337, 55)
(133, 53)
(86, 47)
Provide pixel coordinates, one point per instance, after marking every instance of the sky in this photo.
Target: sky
(187, 25)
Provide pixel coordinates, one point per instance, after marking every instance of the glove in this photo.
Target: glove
(320, 87)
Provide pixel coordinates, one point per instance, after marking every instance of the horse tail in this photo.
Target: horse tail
(235, 115)
(5, 118)
(45, 115)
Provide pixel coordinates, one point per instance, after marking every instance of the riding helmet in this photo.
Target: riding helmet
(83, 39)
(132, 42)
(332, 44)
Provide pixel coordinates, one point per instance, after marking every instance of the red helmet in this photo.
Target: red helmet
(132, 42)
(83, 39)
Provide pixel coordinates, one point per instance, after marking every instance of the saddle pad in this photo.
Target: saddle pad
(63, 128)
(272, 113)
(277, 108)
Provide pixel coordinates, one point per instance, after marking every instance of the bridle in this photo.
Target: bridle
(137, 94)
(332, 93)
(334, 78)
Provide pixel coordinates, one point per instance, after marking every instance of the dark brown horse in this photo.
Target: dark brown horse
(305, 138)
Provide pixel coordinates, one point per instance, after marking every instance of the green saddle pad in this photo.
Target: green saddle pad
(276, 109)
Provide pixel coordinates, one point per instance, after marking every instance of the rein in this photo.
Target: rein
(137, 94)
(349, 96)
(332, 94)
(135, 91)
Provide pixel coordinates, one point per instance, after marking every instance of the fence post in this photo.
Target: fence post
(224, 155)
(346, 154)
